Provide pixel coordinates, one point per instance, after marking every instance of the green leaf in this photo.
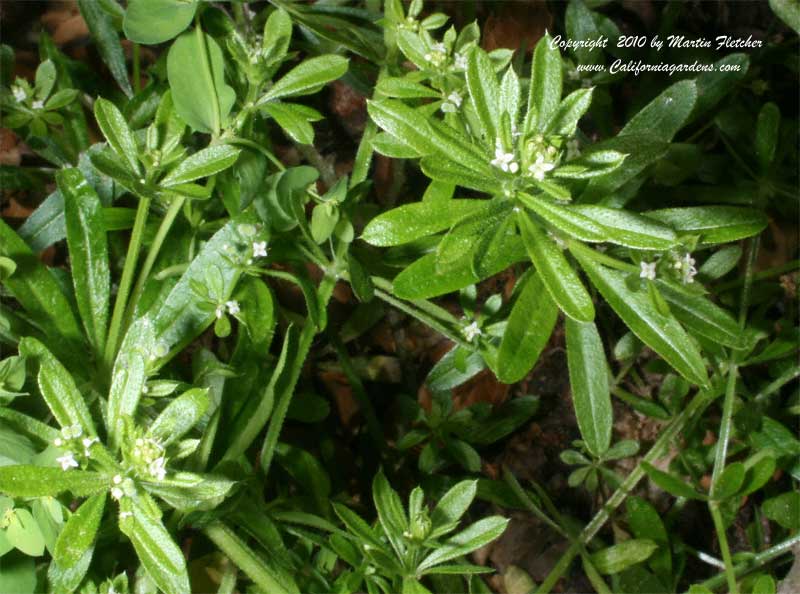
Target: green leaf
(79, 532)
(714, 85)
(666, 114)
(642, 149)
(671, 484)
(454, 503)
(39, 293)
(703, 317)
(23, 532)
(421, 280)
(784, 509)
(18, 575)
(619, 557)
(767, 126)
(402, 88)
(529, 327)
(40, 481)
(484, 92)
(788, 11)
(195, 69)
(88, 253)
(324, 218)
(157, 21)
(356, 526)
(416, 220)
(661, 332)
(306, 78)
(156, 550)
(466, 234)
(448, 373)
(179, 416)
(105, 36)
(564, 219)
(588, 377)
(57, 387)
(203, 163)
(545, 89)
(714, 224)
(559, 277)
(729, 482)
(570, 111)
(119, 136)
(187, 491)
(292, 121)
(391, 514)
(404, 123)
(475, 536)
(360, 281)
(629, 229)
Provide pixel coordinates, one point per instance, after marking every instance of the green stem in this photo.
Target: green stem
(245, 559)
(757, 561)
(792, 266)
(125, 282)
(783, 379)
(155, 247)
(424, 317)
(697, 405)
(719, 526)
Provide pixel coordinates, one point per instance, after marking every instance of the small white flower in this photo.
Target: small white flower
(117, 494)
(503, 160)
(647, 270)
(460, 61)
(540, 167)
(125, 514)
(67, 461)
(472, 331)
(158, 468)
(452, 103)
(19, 93)
(37, 104)
(58, 442)
(117, 480)
(220, 311)
(439, 47)
(233, 307)
(259, 249)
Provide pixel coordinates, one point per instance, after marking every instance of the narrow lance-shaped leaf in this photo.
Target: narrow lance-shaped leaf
(545, 91)
(661, 332)
(79, 532)
(42, 481)
(119, 136)
(204, 163)
(670, 483)
(159, 554)
(475, 536)
(454, 503)
(570, 111)
(58, 388)
(714, 224)
(180, 416)
(629, 229)
(88, 252)
(390, 512)
(619, 557)
(413, 221)
(306, 78)
(559, 277)
(105, 35)
(404, 123)
(529, 326)
(484, 91)
(588, 377)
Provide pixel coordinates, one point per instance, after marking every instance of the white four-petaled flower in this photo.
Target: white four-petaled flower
(452, 103)
(471, 331)
(460, 61)
(37, 104)
(117, 493)
(67, 461)
(233, 307)
(158, 468)
(503, 160)
(19, 93)
(647, 270)
(540, 167)
(259, 249)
